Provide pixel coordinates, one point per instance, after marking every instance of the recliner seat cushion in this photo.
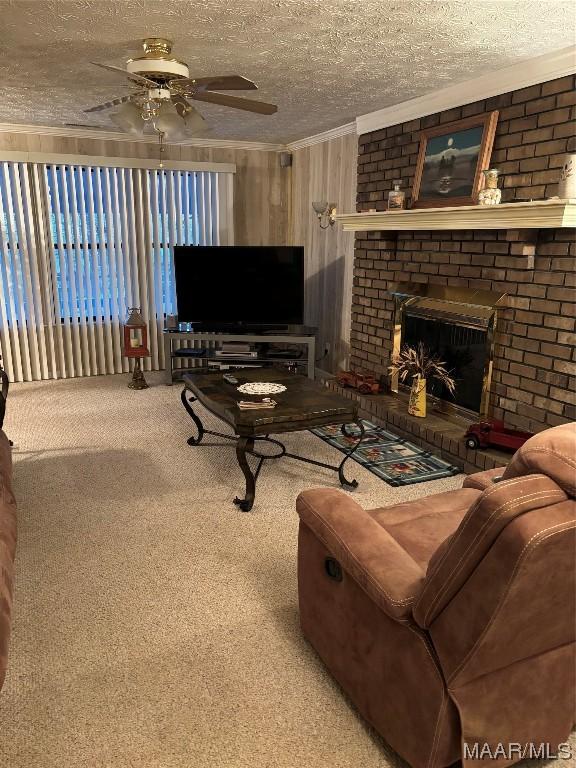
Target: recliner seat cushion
(420, 526)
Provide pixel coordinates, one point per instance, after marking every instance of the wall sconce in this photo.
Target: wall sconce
(326, 213)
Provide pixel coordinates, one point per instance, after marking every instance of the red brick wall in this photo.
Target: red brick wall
(534, 372)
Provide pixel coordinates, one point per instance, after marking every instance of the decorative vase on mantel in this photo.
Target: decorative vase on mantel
(417, 402)
(490, 195)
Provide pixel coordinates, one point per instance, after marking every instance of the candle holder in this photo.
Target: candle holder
(138, 381)
(136, 346)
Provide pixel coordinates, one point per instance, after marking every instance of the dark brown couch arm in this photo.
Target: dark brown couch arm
(364, 549)
(7, 549)
(3, 393)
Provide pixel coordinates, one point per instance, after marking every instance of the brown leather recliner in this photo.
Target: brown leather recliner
(450, 620)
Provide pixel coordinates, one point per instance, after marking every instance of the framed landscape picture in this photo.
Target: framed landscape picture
(450, 162)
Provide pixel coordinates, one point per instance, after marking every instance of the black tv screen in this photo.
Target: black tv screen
(239, 285)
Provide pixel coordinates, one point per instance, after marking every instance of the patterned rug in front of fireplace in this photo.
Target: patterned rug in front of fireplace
(393, 459)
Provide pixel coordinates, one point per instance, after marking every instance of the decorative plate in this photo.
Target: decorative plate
(261, 388)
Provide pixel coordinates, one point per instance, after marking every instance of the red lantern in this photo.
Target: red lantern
(136, 345)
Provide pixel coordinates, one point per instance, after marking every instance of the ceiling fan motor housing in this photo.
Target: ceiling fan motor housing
(157, 64)
(158, 94)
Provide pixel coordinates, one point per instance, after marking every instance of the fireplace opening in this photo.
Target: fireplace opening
(463, 350)
(458, 325)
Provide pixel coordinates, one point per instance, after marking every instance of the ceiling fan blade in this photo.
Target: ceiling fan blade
(222, 83)
(136, 78)
(86, 125)
(113, 103)
(233, 101)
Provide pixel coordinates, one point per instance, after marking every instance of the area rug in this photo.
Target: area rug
(393, 459)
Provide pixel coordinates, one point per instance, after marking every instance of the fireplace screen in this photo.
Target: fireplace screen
(458, 325)
(462, 348)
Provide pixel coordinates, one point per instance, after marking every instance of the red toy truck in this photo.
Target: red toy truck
(494, 433)
(366, 385)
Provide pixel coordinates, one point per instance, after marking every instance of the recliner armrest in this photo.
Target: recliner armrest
(367, 552)
(483, 480)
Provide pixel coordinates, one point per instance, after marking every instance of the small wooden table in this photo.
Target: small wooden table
(303, 405)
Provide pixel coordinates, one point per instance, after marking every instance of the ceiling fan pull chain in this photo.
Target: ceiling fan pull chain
(161, 138)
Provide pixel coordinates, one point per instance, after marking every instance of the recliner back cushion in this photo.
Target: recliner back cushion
(518, 603)
(551, 453)
(458, 556)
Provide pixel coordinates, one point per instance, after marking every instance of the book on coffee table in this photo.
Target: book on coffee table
(246, 405)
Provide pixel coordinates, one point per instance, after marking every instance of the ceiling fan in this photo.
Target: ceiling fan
(163, 90)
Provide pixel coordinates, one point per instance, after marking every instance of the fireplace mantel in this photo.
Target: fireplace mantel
(539, 214)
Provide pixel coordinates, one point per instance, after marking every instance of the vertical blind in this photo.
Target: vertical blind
(80, 244)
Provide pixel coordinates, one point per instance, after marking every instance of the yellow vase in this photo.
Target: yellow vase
(417, 402)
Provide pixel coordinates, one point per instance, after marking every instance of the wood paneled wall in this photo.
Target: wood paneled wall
(261, 187)
(326, 171)
(272, 206)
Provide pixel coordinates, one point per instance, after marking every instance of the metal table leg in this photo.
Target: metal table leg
(343, 481)
(243, 446)
(186, 402)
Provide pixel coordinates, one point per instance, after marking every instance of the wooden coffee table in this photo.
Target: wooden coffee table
(303, 405)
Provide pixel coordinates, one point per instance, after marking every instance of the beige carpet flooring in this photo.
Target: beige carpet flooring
(155, 624)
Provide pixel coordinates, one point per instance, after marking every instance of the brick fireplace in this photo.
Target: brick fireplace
(533, 383)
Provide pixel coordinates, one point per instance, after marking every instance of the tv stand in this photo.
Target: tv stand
(206, 342)
(240, 328)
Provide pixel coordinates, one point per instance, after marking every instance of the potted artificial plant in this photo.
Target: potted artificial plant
(419, 364)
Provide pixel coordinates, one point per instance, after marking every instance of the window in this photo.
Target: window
(80, 244)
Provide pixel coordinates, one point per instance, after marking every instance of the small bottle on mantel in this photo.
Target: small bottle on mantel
(396, 197)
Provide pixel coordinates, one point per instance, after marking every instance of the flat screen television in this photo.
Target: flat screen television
(239, 286)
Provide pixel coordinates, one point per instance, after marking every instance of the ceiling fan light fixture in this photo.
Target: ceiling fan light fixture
(128, 118)
(169, 122)
(194, 122)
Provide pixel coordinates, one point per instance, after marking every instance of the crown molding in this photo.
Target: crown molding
(89, 133)
(530, 72)
(318, 138)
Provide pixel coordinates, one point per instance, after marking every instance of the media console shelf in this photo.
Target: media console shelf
(305, 338)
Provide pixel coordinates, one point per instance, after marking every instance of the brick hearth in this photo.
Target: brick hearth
(440, 433)
(534, 366)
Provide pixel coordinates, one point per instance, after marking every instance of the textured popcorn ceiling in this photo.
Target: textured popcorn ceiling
(322, 62)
